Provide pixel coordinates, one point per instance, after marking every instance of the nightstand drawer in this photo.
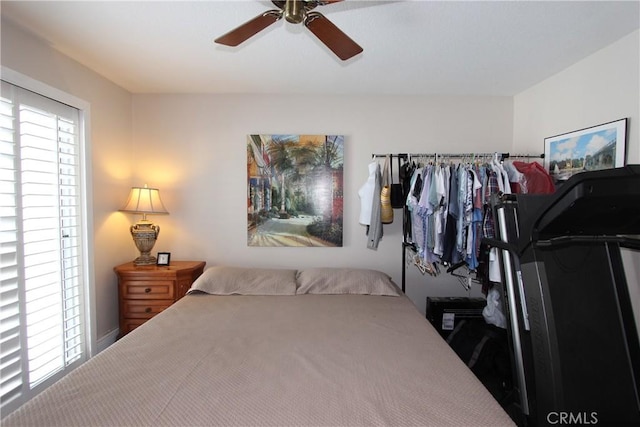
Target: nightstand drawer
(156, 289)
(143, 309)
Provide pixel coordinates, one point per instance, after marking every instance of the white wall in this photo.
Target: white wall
(193, 147)
(110, 141)
(599, 89)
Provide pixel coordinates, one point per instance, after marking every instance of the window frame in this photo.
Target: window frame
(85, 176)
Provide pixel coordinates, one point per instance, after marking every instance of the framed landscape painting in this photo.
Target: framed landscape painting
(597, 147)
(294, 190)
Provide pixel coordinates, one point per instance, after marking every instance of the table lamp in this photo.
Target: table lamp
(144, 201)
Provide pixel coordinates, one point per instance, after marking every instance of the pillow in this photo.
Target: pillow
(345, 281)
(224, 280)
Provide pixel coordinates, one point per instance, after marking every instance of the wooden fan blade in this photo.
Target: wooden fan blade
(249, 29)
(332, 36)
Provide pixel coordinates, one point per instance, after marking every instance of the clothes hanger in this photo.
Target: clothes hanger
(466, 278)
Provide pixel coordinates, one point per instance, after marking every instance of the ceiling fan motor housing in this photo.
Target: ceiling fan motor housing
(294, 11)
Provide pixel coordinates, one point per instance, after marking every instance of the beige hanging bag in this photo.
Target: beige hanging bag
(386, 211)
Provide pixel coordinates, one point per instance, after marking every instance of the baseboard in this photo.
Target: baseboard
(107, 339)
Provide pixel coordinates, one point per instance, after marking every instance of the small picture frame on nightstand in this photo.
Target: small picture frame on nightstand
(163, 258)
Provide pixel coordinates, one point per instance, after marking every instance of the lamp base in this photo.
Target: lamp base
(144, 235)
(145, 259)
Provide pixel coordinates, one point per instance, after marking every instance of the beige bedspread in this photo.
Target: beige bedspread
(272, 360)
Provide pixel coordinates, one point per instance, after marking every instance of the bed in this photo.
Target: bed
(338, 347)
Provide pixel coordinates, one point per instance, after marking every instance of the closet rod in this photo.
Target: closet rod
(502, 155)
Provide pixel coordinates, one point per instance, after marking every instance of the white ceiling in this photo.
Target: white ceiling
(410, 47)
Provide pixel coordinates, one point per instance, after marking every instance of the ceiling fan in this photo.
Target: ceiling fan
(297, 12)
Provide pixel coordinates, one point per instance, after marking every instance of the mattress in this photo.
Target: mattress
(240, 360)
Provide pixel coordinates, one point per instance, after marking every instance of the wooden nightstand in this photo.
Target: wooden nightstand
(145, 291)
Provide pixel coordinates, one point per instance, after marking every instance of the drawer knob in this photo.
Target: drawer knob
(147, 290)
(147, 310)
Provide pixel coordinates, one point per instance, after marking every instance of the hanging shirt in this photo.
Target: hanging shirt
(505, 179)
(426, 214)
(462, 197)
(473, 231)
(442, 181)
(366, 195)
(517, 179)
(374, 231)
(449, 254)
(413, 201)
(538, 179)
(433, 209)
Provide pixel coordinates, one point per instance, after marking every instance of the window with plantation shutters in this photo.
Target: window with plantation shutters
(42, 291)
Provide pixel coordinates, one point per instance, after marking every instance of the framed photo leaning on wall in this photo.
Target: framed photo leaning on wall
(597, 147)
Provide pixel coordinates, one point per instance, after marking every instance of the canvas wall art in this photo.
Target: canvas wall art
(294, 190)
